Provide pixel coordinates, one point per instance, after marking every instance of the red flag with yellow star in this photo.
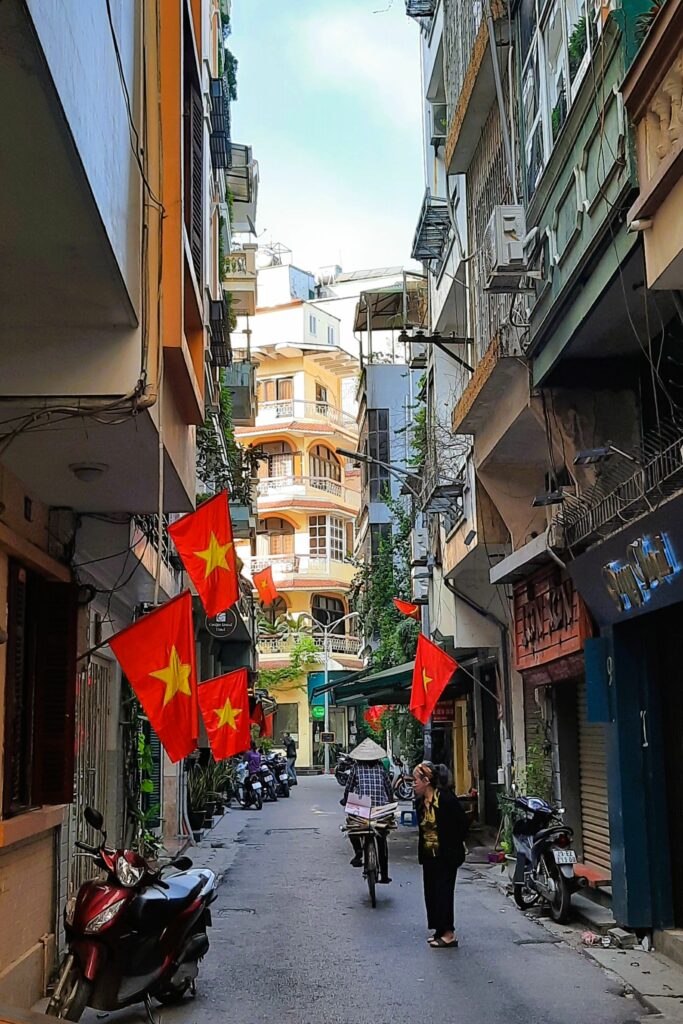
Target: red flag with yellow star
(265, 587)
(407, 608)
(225, 709)
(433, 670)
(205, 544)
(157, 657)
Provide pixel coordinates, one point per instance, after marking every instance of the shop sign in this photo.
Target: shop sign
(318, 711)
(648, 564)
(222, 625)
(550, 620)
(444, 711)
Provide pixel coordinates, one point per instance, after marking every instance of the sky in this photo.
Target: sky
(329, 98)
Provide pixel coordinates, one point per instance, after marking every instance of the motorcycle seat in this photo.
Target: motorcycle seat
(155, 907)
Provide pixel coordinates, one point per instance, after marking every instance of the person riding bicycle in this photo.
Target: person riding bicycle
(369, 778)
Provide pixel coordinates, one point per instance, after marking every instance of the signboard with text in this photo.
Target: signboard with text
(444, 711)
(551, 621)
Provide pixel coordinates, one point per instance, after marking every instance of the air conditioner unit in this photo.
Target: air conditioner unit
(419, 545)
(420, 585)
(503, 249)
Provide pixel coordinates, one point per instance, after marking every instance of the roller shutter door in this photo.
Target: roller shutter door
(593, 775)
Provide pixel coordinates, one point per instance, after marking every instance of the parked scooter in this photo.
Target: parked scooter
(248, 787)
(267, 780)
(342, 768)
(278, 766)
(133, 935)
(545, 858)
(402, 781)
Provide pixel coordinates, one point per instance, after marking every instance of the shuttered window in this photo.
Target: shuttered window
(40, 691)
(280, 536)
(193, 152)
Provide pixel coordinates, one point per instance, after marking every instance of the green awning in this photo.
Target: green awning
(390, 686)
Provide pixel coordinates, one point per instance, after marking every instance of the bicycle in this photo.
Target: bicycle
(370, 830)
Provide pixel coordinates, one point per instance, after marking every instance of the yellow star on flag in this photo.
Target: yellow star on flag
(227, 715)
(426, 680)
(176, 676)
(214, 556)
(263, 584)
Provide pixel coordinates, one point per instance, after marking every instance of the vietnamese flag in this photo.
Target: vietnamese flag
(433, 670)
(263, 581)
(225, 709)
(406, 608)
(373, 716)
(205, 544)
(157, 657)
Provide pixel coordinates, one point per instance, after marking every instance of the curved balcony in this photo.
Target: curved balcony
(293, 409)
(349, 646)
(296, 571)
(315, 488)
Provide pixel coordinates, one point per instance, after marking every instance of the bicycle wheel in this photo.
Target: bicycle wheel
(371, 864)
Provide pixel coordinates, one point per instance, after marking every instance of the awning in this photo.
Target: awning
(394, 306)
(390, 686)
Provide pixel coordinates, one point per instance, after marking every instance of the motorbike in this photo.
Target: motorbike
(132, 935)
(342, 768)
(402, 781)
(278, 767)
(267, 780)
(545, 858)
(248, 787)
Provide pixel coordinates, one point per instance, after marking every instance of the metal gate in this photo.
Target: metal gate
(593, 775)
(90, 777)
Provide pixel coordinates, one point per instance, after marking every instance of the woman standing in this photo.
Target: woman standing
(441, 848)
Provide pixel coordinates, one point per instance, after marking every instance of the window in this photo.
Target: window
(380, 533)
(377, 448)
(323, 465)
(321, 394)
(40, 691)
(271, 612)
(193, 138)
(312, 324)
(280, 536)
(279, 461)
(286, 720)
(277, 389)
(317, 536)
(558, 50)
(327, 610)
(336, 539)
(330, 335)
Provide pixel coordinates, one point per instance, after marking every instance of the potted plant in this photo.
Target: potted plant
(196, 799)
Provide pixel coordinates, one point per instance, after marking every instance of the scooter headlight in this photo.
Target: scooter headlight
(97, 923)
(128, 874)
(70, 910)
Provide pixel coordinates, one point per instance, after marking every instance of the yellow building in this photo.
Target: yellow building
(308, 500)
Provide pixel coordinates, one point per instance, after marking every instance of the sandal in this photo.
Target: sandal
(441, 944)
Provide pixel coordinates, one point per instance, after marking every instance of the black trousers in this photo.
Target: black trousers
(382, 851)
(439, 888)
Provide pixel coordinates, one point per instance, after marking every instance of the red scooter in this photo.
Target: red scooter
(133, 935)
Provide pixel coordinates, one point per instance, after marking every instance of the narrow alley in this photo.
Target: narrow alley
(294, 938)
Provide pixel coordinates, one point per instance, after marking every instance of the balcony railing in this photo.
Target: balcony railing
(432, 231)
(220, 335)
(293, 409)
(160, 539)
(219, 138)
(284, 566)
(420, 8)
(336, 643)
(239, 278)
(301, 486)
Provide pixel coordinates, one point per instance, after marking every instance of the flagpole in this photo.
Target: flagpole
(326, 655)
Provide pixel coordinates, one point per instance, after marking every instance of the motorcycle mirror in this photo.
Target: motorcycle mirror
(182, 863)
(93, 818)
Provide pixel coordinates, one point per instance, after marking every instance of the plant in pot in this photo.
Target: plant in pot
(196, 799)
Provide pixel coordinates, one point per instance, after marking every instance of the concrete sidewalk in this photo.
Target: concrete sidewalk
(654, 979)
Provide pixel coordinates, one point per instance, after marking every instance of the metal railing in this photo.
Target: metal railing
(300, 565)
(293, 408)
(336, 643)
(622, 493)
(159, 539)
(300, 485)
(462, 22)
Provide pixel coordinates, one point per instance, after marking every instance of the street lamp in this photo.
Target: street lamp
(591, 456)
(403, 475)
(326, 630)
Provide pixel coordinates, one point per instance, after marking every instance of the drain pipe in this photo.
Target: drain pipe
(505, 667)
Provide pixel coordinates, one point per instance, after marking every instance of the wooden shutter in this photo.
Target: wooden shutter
(55, 692)
(285, 389)
(196, 182)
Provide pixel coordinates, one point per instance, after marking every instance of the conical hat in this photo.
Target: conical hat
(368, 750)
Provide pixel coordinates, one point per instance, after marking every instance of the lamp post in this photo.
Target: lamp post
(326, 630)
(401, 474)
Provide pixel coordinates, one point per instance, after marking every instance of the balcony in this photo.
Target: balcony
(220, 335)
(470, 82)
(421, 8)
(241, 177)
(418, 353)
(652, 95)
(337, 643)
(296, 571)
(293, 409)
(497, 377)
(431, 234)
(240, 380)
(313, 488)
(440, 494)
(239, 278)
(219, 136)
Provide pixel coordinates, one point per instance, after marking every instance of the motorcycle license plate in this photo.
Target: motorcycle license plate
(565, 856)
(283, 777)
(267, 778)
(256, 786)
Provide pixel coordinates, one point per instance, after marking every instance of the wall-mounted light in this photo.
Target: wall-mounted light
(549, 498)
(591, 456)
(470, 537)
(88, 472)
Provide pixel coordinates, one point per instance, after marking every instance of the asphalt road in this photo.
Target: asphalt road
(295, 939)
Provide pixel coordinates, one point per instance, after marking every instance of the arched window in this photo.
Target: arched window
(323, 463)
(272, 611)
(279, 535)
(279, 461)
(327, 610)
